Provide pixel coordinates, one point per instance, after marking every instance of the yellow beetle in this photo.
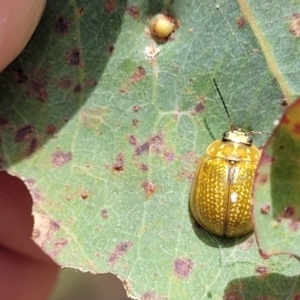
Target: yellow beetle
(220, 198)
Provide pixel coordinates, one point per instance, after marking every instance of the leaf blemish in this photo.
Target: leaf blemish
(261, 270)
(295, 25)
(266, 159)
(38, 85)
(199, 107)
(73, 57)
(132, 140)
(288, 212)
(143, 168)
(104, 214)
(133, 11)
(80, 11)
(265, 208)
(149, 188)
(24, 133)
(294, 225)
(60, 158)
(110, 5)
(59, 245)
(120, 250)
(110, 49)
(50, 129)
(262, 178)
(135, 122)
(240, 22)
(136, 108)
(183, 267)
(77, 88)
(156, 143)
(62, 25)
(149, 295)
(84, 195)
(20, 76)
(31, 147)
(139, 74)
(64, 83)
(119, 163)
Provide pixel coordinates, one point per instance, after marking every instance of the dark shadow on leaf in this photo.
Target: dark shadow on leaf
(54, 76)
(263, 286)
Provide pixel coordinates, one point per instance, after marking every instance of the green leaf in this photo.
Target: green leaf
(108, 140)
(276, 192)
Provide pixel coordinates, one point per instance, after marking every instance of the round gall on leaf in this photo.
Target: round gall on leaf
(161, 26)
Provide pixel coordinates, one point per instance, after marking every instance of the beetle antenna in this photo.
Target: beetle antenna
(230, 121)
(259, 132)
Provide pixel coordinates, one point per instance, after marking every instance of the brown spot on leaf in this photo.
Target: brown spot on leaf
(38, 85)
(24, 133)
(284, 102)
(135, 122)
(149, 295)
(110, 49)
(233, 296)
(59, 244)
(288, 212)
(266, 159)
(77, 88)
(149, 188)
(294, 225)
(169, 155)
(296, 297)
(295, 25)
(120, 250)
(261, 270)
(104, 214)
(60, 158)
(132, 140)
(136, 108)
(265, 208)
(50, 129)
(20, 76)
(64, 83)
(44, 228)
(31, 147)
(73, 57)
(143, 168)
(62, 25)
(156, 142)
(123, 90)
(84, 195)
(262, 178)
(139, 74)
(240, 22)
(119, 163)
(80, 11)
(133, 11)
(183, 267)
(199, 107)
(110, 5)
